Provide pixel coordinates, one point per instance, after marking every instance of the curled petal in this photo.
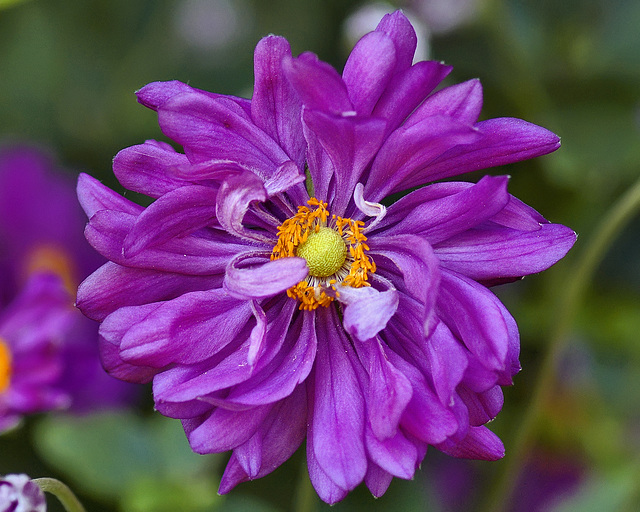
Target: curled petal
(397, 454)
(265, 279)
(223, 430)
(258, 333)
(370, 209)
(367, 310)
(234, 198)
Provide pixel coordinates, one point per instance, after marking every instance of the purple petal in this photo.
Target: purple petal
(425, 417)
(275, 440)
(480, 443)
(483, 407)
(490, 252)
(156, 94)
(447, 360)
(396, 454)
(399, 29)
(113, 286)
(368, 70)
(223, 430)
(337, 436)
(264, 279)
(318, 84)
(228, 368)
(289, 368)
(407, 90)
(501, 141)
(461, 101)
(327, 489)
(94, 196)
(367, 310)
(403, 161)
(377, 480)
(234, 198)
(175, 214)
(217, 128)
(284, 177)
(275, 107)
(350, 143)
(473, 315)
(107, 230)
(413, 257)
(116, 367)
(184, 330)
(144, 168)
(443, 218)
(389, 393)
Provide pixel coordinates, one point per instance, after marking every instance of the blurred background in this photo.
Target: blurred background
(68, 73)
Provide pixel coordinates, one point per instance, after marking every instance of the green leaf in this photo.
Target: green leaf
(118, 454)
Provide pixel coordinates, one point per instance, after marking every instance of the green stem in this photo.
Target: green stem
(62, 492)
(613, 222)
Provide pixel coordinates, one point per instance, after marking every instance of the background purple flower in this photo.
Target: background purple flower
(206, 294)
(19, 493)
(51, 349)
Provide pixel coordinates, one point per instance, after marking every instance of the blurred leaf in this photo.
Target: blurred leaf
(162, 495)
(243, 503)
(10, 3)
(603, 493)
(116, 454)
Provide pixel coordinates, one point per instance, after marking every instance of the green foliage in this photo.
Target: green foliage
(145, 464)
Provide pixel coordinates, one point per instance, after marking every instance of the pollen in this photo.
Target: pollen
(5, 366)
(334, 248)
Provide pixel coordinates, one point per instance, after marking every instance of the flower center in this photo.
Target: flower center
(325, 252)
(334, 249)
(5, 366)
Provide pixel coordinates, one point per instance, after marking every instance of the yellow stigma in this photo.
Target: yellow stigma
(335, 251)
(50, 258)
(5, 366)
(325, 252)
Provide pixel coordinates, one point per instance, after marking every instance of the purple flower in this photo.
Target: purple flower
(19, 494)
(32, 328)
(265, 316)
(48, 349)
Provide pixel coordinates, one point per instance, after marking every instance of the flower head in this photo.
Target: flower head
(271, 297)
(48, 354)
(19, 494)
